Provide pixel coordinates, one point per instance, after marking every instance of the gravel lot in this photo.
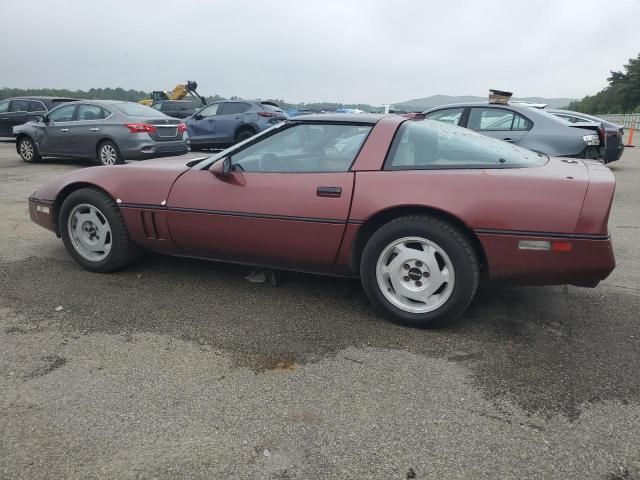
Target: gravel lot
(179, 368)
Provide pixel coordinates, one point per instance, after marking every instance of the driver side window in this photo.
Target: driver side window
(62, 114)
(304, 147)
(209, 111)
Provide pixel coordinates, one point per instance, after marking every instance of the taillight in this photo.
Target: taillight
(603, 134)
(140, 127)
(267, 114)
(182, 128)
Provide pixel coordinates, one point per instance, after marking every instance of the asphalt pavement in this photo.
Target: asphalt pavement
(182, 369)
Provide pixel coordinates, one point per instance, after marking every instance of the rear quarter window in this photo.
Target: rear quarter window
(429, 144)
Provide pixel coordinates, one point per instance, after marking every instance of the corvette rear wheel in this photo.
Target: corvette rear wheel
(420, 270)
(94, 232)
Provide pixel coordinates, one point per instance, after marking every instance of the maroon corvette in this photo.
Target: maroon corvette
(421, 211)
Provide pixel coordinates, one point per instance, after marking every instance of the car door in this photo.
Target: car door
(229, 117)
(86, 130)
(58, 131)
(500, 123)
(5, 129)
(17, 114)
(202, 126)
(285, 203)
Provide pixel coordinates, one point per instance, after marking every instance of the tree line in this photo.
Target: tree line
(622, 95)
(137, 95)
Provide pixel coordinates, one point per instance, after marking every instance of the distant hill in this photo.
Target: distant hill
(437, 100)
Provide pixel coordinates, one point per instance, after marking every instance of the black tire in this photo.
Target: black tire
(123, 251)
(451, 240)
(243, 134)
(27, 150)
(109, 152)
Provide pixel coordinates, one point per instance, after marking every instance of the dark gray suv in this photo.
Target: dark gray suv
(231, 121)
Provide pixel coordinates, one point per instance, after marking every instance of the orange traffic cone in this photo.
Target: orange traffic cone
(633, 125)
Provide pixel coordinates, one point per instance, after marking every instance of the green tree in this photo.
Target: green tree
(622, 95)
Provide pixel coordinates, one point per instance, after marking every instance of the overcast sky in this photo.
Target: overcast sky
(370, 51)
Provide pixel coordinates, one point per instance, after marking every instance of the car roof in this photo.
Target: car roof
(515, 106)
(102, 102)
(40, 97)
(370, 118)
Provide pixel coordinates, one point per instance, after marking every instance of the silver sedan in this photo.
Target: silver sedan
(105, 130)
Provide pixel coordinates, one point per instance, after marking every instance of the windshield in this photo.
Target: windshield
(433, 144)
(137, 110)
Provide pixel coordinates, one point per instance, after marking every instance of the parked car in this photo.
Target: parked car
(614, 134)
(20, 110)
(525, 126)
(105, 130)
(420, 225)
(175, 108)
(231, 121)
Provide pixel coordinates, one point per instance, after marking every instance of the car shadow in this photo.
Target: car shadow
(547, 348)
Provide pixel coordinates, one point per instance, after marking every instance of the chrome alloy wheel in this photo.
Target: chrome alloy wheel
(89, 232)
(108, 155)
(26, 149)
(415, 275)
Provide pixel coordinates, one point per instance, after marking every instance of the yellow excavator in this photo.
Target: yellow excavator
(178, 93)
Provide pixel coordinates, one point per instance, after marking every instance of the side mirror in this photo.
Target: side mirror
(222, 168)
(197, 116)
(39, 119)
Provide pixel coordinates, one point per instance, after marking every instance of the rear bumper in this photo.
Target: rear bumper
(614, 153)
(42, 213)
(139, 149)
(589, 260)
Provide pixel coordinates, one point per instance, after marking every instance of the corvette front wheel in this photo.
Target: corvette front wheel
(420, 270)
(94, 232)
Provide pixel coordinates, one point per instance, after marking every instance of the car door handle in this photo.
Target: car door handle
(329, 191)
(95, 129)
(508, 139)
(64, 129)
(4, 118)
